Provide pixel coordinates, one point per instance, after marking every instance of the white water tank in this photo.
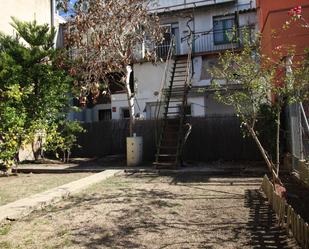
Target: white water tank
(134, 151)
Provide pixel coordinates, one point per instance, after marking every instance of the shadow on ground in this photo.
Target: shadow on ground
(174, 211)
(263, 224)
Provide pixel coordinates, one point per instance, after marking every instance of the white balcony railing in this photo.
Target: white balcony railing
(221, 39)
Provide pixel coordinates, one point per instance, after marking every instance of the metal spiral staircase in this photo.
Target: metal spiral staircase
(172, 129)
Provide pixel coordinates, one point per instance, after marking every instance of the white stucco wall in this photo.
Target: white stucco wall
(213, 107)
(24, 10)
(197, 106)
(118, 101)
(148, 79)
(149, 76)
(97, 108)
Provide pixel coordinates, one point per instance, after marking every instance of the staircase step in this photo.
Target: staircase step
(163, 165)
(172, 125)
(168, 147)
(182, 61)
(175, 101)
(166, 155)
(171, 106)
(173, 121)
(169, 140)
(171, 113)
(170, 133)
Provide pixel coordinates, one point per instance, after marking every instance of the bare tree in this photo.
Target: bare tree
(105, 36)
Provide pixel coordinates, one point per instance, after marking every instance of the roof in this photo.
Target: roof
(167, 6)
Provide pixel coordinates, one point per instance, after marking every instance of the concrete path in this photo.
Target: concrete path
(23, 207)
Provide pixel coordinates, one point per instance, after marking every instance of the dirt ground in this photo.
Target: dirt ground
(155, 211)
(13, 188)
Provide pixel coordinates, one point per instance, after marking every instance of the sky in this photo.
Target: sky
(69, 12)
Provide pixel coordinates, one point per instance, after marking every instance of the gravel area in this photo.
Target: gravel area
(155, 211)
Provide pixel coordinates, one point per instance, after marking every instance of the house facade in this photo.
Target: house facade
(273, 15)
(43, 11)
(210, 22)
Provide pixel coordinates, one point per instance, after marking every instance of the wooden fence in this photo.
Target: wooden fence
(288, 218)
(212, 138)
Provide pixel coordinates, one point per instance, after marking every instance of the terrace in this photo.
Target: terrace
(208, 41)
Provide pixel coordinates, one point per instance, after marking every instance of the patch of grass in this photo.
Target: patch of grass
(110, 183)
(62, 232)
(4, 230)
(5, 245)
(28, 242)
(67, 242)
(24, 185)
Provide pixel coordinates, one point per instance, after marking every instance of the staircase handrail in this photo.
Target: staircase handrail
(187, 133)
(169, 57)
(163, 85)
(189, 75)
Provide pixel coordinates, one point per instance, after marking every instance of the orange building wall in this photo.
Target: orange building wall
(272, 15)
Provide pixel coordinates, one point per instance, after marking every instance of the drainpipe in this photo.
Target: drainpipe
(52, 14)
(52, 19)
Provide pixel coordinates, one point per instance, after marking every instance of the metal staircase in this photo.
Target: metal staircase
(171, 110)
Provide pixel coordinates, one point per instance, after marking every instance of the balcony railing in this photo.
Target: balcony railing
(162, 49)
(210, 41)
(221, 40)
(204, 42)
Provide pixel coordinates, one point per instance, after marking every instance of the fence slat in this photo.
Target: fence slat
(288, 219)
(301, 231)
(212, 138)
(287, 216)
(306, 236)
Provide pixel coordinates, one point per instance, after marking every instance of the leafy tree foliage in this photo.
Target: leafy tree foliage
(34, 91)
(253, 82)
(62, 138)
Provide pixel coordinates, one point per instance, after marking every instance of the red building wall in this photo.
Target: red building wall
(272, 15)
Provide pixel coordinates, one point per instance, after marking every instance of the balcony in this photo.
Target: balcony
(208, 42)
(216, 41)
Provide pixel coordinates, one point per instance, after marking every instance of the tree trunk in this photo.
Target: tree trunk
(130, 98)
(278, 142)
(264, 154)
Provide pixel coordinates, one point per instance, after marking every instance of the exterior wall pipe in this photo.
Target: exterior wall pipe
(52, 14)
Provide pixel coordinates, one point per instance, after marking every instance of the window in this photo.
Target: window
(163, 48)
(223, 29)
(105, 115)
(125, 113)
